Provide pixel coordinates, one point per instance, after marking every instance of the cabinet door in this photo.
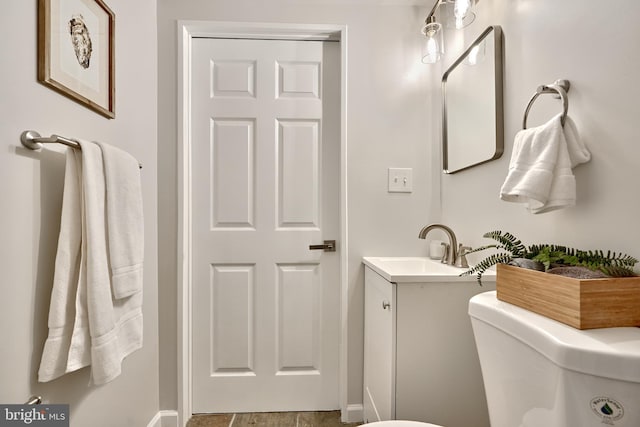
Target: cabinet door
(438, 376)
(379, 348)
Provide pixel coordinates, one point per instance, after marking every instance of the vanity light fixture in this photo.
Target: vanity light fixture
(463, 14)
(433, 46)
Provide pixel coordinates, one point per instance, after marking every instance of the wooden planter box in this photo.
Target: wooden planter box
(581, 303)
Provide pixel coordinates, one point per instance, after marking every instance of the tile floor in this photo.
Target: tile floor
(271, 419)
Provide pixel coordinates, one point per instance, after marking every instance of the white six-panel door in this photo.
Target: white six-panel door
(265, 179)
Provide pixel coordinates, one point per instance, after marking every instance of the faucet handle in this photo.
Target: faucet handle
(461, 259)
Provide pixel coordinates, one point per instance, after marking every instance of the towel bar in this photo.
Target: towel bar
(560, 88)
(33, 141)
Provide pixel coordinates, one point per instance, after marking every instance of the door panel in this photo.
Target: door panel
(299, 189)
(265, 159)
(233, 177)
(298, 325)
(232, 326)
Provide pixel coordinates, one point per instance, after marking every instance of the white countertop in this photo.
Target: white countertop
(419, 270)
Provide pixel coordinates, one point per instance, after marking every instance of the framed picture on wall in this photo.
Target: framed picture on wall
(76, 51)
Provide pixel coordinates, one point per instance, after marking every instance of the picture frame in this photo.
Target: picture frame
(76, 52)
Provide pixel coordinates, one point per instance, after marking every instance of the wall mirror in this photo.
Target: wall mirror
(472, 116)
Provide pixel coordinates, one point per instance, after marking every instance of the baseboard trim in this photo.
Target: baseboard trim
(164, 419)
(353, 414)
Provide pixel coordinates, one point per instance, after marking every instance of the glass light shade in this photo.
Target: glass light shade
(433, 46)
(460, 13)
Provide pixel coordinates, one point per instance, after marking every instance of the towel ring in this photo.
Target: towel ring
(559, 87)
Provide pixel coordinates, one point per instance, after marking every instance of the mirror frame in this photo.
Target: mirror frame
(499, 110)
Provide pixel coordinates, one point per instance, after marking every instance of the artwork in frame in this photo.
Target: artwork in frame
(76, 51)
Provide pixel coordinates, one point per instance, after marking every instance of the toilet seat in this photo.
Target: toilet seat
(398, 423)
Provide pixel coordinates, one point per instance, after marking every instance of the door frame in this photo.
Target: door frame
(186, 32)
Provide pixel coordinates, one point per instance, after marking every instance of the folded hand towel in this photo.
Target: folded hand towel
(573, 152)
(533, 160)
(578, 152)
(562, 191)
(540, 174)
(124, 220)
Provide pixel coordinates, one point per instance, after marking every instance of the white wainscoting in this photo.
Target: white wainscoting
(353, 414)
(164, 419)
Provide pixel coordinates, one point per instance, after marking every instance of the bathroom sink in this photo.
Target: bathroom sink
(419, 269)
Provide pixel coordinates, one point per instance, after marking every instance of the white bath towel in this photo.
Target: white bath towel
(101, 330)
(578, 151)
(66, 277)
(115, 324)
(540, 171)
(124, 220)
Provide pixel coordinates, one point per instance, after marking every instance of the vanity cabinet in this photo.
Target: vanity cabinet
(420, 359)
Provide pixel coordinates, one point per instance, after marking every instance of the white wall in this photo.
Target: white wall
(394, 120)
(596, 49)
(31, 191)
(387, 126)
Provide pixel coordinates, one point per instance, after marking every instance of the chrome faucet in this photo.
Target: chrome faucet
(453, 254)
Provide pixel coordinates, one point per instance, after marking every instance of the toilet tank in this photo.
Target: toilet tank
(541, 373)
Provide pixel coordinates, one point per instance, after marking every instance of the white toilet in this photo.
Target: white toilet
(541, 373)
(399, 423)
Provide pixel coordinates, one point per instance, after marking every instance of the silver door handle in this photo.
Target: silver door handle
(328, 246)
(34, 400)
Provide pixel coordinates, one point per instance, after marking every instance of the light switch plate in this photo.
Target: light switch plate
(400, 180)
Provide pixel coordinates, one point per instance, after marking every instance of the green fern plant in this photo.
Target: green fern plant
(612, 264)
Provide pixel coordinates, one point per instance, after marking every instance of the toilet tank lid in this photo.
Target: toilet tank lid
(608, 352)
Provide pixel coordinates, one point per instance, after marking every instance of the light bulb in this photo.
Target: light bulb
(461, 9)
(432, 49)
(432, 53)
